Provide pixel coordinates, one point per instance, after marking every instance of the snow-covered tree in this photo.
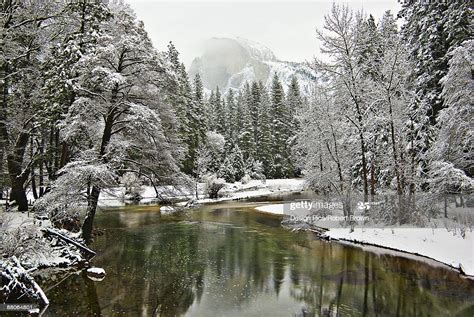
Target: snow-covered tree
(118, 115)
(23, 46)
(432, 30)
(265, 134)
(233, 166)
(179, 93)
(341, 40)
(451, 162)
(323, 154)
(246, 129)
(210, 153)
(231, 117)
(196, 124)
(280, 128)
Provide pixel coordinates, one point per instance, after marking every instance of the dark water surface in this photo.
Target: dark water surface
(228, 260)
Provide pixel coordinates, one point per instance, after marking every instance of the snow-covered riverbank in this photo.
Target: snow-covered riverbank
(28, 247)
(231, 191)
(36, 243)
(439, 244)
(448, 246)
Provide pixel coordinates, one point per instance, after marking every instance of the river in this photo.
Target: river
(225, 259)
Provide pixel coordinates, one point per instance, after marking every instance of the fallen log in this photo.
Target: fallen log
(80, 246)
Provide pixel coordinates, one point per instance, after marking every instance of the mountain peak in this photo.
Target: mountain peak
(231, 62)
(257, 50)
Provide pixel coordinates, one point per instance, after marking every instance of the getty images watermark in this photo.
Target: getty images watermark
(329, 213)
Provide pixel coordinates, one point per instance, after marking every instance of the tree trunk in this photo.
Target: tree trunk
(93, 198)
(64, 155)
(364, 166)
(18, 195)
(33, 177)
(41, 169)
(197, 192)
(445, 205)
(338, 161)
(17, 176)
(33, 184)
(56, 151)
(88, 224)
(17, 150)
(2, 170)
(372, 180)
(50, 159)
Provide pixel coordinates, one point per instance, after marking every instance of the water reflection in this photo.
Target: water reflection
(226, 260)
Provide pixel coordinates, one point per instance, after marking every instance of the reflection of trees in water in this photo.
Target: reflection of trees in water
(157, 274)
(81, 297)
(172, 270)
(92, 299)
(244, 262)
(162, 270)
(347, 281)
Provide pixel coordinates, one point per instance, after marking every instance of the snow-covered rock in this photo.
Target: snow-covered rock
(166, 210)
(95, 273)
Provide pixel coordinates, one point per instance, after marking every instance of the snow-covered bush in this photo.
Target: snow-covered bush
(130, 181)
(23, 242)
(133, 186)
(213, 185)
(209, 154)
(246, 179)
(254, 169)
(215, 141)
(445, 177)
(232, 168)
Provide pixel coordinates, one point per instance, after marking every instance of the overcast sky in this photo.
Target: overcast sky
(286, 27)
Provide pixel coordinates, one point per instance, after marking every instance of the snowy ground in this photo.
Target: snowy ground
(115, 197)
(231, 191)
(439, 244)
(449, 246)
(21, 235)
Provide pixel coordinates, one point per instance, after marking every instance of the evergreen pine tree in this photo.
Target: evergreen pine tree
(265, 134)
(179, 91)
(246, 132)
(280, 125)
(254, 104)
(231, 117)
(220, 115)
(432, 30)
(196, 123)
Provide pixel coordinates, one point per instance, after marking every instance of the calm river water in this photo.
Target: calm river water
(228, 260)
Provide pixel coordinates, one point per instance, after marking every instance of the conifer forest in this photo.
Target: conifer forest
(139, 177)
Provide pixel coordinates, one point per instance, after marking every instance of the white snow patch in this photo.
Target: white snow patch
(438, 244)
(257, 188)
(96, 271)
(276, 209)
(167, 210)
(232, 191)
